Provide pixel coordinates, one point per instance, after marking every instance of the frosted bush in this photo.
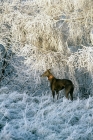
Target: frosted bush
(29, 26)
(82, 63)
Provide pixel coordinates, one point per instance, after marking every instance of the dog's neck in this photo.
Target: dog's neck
(50, 77)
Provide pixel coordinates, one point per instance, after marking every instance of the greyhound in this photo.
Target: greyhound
(59, 84)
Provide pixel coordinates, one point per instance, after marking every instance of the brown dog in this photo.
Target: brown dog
(59, 84)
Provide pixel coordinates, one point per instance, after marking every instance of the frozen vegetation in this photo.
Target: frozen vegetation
(36, 35)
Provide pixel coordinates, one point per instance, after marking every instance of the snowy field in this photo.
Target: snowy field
(39, 35)
(24, 117)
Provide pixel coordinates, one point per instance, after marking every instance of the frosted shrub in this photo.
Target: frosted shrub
(82, 65)
(29, 26)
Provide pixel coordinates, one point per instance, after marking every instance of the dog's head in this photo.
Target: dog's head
(46, 73)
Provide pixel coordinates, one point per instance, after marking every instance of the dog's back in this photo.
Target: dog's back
(64, 82)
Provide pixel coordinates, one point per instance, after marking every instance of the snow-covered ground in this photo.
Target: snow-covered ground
(26, 117)
(37, 35)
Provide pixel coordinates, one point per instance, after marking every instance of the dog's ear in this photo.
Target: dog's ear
(49, 70)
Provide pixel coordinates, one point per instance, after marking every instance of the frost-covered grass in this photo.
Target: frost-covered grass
(24, 117)
(42, 34)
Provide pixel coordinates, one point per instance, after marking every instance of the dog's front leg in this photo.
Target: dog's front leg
(57, 94)
(53, 94)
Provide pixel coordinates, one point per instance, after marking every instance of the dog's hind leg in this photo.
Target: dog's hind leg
(71, 93)
(57, 94)
(67, 91)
